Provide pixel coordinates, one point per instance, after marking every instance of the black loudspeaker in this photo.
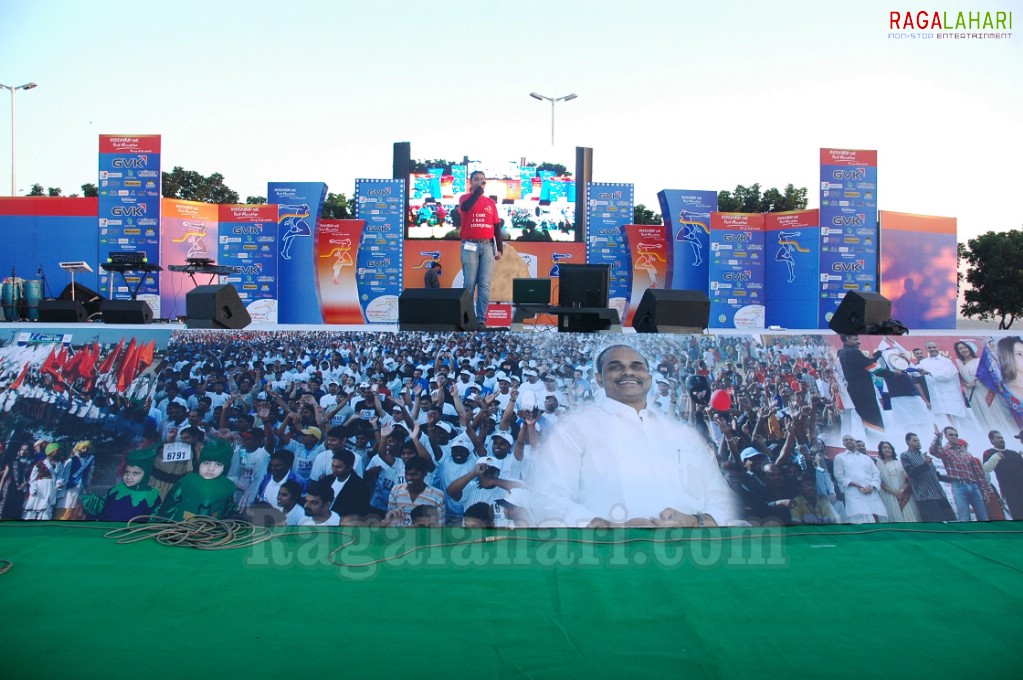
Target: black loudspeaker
(672, 311)
(216, 306)
(62, 311)
(402, 161)
(127, 311)
(90, 299)
(583, 175)
(861, 313)
(436, 309)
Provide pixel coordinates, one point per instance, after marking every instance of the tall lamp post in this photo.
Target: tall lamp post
(14, 155)
(553, 100)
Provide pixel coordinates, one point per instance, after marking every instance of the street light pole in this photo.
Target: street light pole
(552, 100)
(14, 153)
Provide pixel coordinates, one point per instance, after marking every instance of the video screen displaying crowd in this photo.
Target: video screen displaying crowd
(506, 429)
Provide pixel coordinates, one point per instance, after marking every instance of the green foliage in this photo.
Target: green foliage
(995, 274)
(189, 185)
(255, 200)
(752, 200)
(88, 190)
(644, 215)
(337, 207)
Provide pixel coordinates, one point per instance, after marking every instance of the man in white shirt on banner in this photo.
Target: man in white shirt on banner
(618, 462)
(943, 386)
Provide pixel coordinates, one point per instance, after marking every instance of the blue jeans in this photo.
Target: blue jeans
(477, 270)
(965, 495)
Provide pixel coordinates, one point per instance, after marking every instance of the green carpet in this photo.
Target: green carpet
(817, 602)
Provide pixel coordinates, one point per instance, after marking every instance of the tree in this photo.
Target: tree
(255, 200)
(88, 190)
(337, 207)
(644, 215)
(189, 185)
(751, 200)
(995, 274)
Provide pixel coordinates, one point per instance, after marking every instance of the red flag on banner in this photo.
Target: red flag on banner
(50, 364)
(88, 366)
(126, 373)
(108, 361)
(145, 356)
(21, 377)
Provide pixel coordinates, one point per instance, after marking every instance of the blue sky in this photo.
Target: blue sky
(682, 94)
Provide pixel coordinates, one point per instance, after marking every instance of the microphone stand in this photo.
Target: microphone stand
(47, 295)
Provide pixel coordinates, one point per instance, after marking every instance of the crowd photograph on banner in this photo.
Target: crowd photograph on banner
(510, 429)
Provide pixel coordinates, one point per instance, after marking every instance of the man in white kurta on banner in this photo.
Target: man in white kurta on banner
(860, 480)
(618, 462)
(942, 378)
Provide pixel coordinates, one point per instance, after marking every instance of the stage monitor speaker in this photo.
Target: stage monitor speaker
(215, 306)
(860, 313)
(672, 311)
(62, 311)
(90, 299)
(436, 309)
(127, 311)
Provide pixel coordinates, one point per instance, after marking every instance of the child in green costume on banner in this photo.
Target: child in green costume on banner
(207, 492)
(132, 496)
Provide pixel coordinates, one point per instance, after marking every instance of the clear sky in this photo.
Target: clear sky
(680, 94)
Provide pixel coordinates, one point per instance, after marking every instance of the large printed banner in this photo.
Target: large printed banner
(93, 432)
(736, 270)
(248, 242)
(609, 207)
(299, 207)
(848, 219)
(129, 210)
(649, 248)
(922, 287)
(792, 251)
(380, 203)
(189, 231)
(687, 218)
(336, 285)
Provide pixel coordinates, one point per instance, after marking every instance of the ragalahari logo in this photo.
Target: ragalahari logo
(949, 25)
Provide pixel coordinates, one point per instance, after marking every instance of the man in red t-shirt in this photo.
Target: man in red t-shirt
(481, 242)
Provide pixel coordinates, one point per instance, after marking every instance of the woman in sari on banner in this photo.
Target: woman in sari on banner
(990, 411)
